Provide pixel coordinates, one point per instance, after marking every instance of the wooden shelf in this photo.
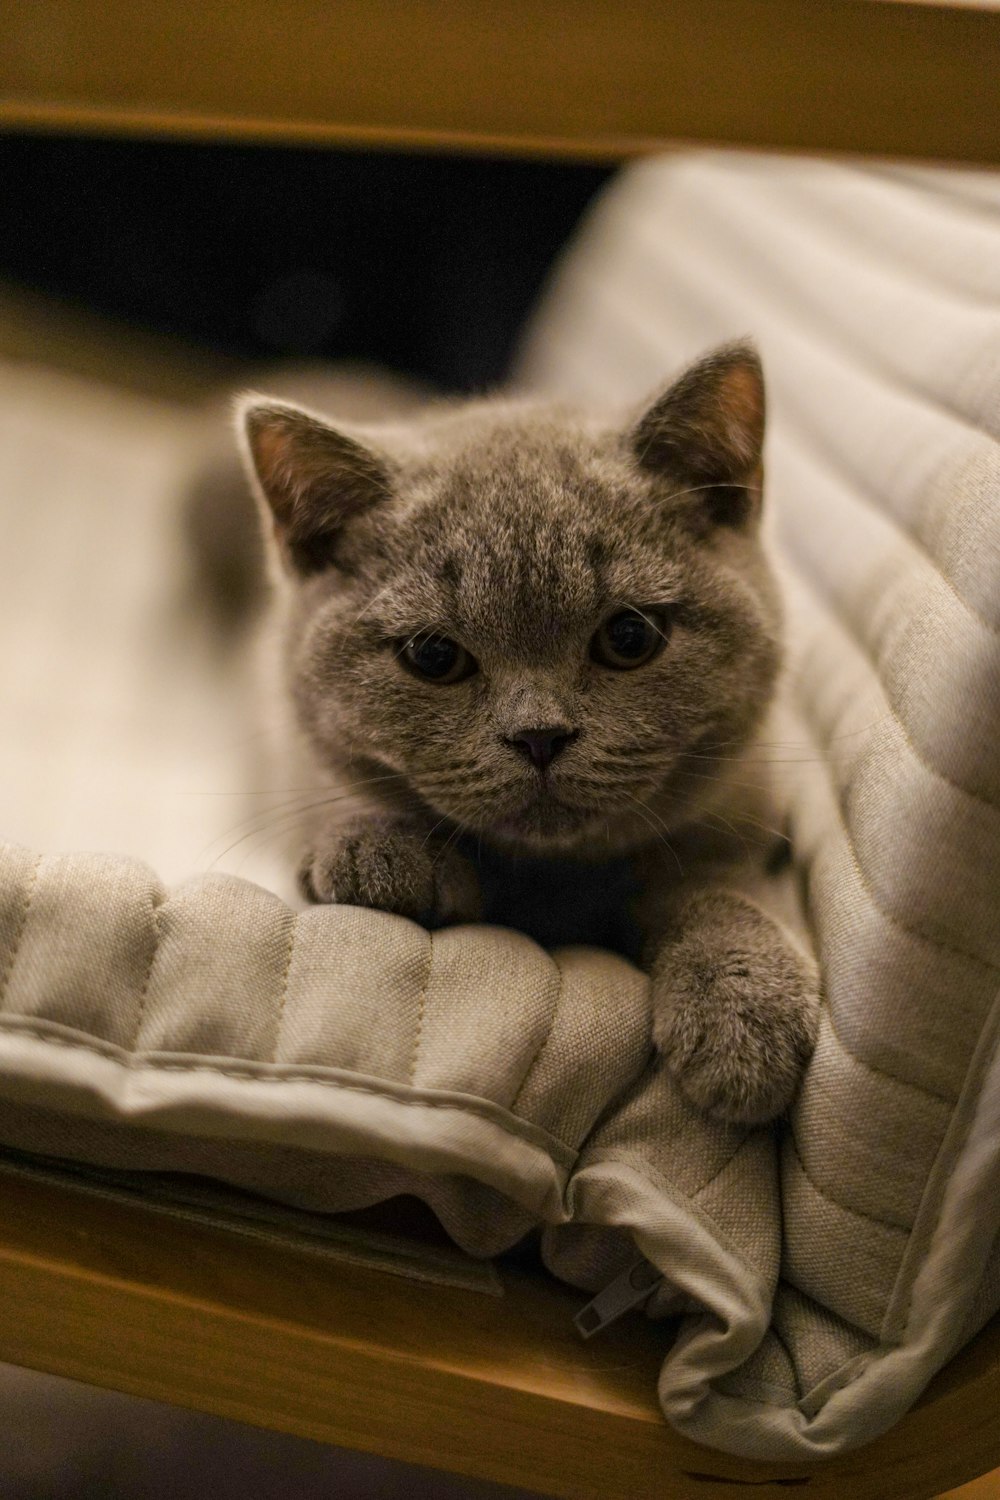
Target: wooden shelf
(493, 1387)
(574, 78)
(496, 1388)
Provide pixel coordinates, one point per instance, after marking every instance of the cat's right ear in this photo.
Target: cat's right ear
(705, 434)
(311, 477)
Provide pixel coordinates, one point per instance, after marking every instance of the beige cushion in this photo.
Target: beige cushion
(875, 298)
(334, 1057)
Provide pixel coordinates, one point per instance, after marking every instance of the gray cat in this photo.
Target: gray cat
(529, 651)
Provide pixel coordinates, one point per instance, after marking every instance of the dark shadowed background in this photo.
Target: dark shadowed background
(425, 263)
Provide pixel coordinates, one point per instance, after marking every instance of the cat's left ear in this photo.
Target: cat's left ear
(313, 478)
(706, 432)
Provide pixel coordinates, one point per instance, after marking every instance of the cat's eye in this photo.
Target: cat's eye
(437, 658)
(630, 639)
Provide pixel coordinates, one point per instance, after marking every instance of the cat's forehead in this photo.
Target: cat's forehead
(527, 537)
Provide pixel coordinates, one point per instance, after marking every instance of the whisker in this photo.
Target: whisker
(434, 830)
(372, 603)
(743, 817)
(726, 781)
(648, 816)
(731, 827)
(740, 815)
(281, 823)
(253, 823)
(804, 744)
(285, 812)
(651, 623)
(272, 821)
(446, 846)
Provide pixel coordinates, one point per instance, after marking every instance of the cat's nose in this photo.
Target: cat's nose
(541, 746)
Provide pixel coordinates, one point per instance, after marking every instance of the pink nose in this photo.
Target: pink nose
(541, 746)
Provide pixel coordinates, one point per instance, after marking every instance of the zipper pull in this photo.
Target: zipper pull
(630, 1289)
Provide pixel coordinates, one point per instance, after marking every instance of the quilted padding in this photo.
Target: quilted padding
(215, 1010)
(875, 299)
(822, 1272)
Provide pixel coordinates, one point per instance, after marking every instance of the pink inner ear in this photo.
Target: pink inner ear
(314, 478)
(742, 386)
(270, 442)
(741, 400)
(709, 425)
(270, 446)
(282, 460)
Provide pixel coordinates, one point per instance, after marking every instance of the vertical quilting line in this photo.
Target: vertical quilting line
(930, 1227)
(283, 994)
(838, 611)
(29, 893)
(421, 1008)
(817, 735)
(560, 985)
(154, 916)
(816, 453)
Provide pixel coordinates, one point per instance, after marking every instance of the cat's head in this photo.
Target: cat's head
(541, 621)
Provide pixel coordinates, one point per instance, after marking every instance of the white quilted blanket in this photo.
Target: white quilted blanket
(334, 1057)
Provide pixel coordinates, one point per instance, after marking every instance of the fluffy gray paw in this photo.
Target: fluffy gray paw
(735, 1014)
(392, 866)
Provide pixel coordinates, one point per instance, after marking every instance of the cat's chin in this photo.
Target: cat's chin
(546, 826)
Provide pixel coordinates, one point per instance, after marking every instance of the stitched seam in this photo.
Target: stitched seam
(154, 911)
(680, 1199)
(857, 1213)
(545, 1039)
(920, 1088)
(29, 892)
(719, 1170)
(903, 1321)
(919, 545)
(855, 485)
(559, 1149)
(816, 440)
(932, 1177)
(617, 1157)
(891, 917)
(847, 339)
(855, 1366)
(780, 1341)
(813, 438)
(789, 1287)
(283, 996)
(422, 1005)
(869, 654)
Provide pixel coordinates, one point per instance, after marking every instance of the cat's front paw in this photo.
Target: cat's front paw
(392, 866)
(735, 1021)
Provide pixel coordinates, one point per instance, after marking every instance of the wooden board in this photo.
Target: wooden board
(494, 1387)
(576, 78)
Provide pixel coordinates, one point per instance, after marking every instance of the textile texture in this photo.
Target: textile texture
(192, 1020)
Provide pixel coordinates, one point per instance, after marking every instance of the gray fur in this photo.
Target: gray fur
(517, 529)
